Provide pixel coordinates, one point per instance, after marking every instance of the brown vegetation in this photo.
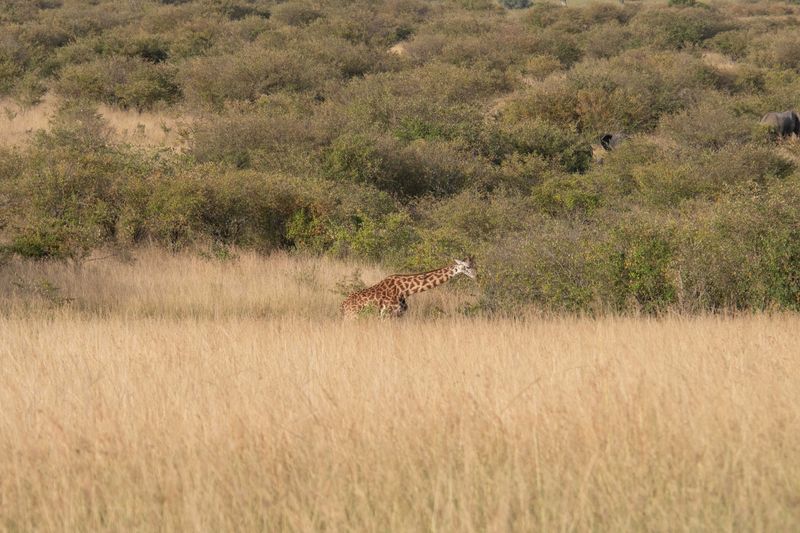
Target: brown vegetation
(148, 129)
(176, 392)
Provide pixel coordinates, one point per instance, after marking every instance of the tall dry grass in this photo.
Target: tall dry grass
(181, 393)
(146, 129)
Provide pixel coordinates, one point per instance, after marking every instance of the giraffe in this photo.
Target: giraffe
(389, 295)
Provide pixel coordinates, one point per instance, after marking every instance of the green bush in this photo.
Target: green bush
(42, 242)
(741, 252)
(708, 125)
(67, 188)
(641, 261)
(356, 158)
(563, 147)
(679, 28)
(540, 66)
(734, 43)
(120, 81)
(295, 13)
(561, 195)
(151, 48)
(246, 75)
(630, 92)
(147, 86)
(617, 176)
(782, 51)
(607, 40)
(668, 183)
(414, 169)
(237, 10)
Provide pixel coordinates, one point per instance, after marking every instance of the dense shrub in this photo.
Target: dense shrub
(261, 135)
(125, 82)
(709, 125)
(641, 258)
(295, 13)
(565, 195)
(417, 168)
(734, 43)
(678, 28)
(67, 189)
(607, 40)
(564, 147)
(779, 50)
(250, 73)
(540, 66)
(630, 92)
(408, 132)
(741, 252)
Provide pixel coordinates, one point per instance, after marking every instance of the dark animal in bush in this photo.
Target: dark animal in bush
(610, 141)
(782, 124)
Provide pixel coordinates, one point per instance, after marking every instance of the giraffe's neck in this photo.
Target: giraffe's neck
(414, 283)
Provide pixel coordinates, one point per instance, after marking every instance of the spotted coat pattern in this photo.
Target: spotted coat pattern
(389, 296)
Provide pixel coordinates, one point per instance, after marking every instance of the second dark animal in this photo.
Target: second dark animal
(783, 124)
(609, 141)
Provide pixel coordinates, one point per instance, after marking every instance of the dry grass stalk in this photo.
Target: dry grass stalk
(181, 393)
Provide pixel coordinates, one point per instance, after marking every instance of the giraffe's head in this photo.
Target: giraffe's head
(466, 267)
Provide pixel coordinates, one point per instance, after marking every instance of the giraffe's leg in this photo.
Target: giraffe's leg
(394, 309)
(403, 306)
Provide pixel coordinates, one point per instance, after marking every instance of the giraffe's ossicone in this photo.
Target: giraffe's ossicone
(389, 296)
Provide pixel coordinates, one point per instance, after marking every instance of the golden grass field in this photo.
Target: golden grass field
(147, 129)
(174, 392)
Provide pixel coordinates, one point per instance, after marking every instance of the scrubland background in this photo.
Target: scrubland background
(404, 133)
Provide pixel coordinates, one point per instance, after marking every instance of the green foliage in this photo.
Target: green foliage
(412, 128)
(733, 43)
(135, 83)
(295, 14)
(350, 284)
(708, 125)
(414, 169)
(629, 92)
(561, 195)
(565, 148)
(410, 132)
(40, 243)
(679, 28)
(641, 259)
(356, 158)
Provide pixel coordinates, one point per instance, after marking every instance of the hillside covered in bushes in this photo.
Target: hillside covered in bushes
(408, 132)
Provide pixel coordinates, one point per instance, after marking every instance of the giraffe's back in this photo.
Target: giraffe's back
(379, 295)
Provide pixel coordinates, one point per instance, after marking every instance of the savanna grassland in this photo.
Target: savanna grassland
(188, 393)
(188, 189)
